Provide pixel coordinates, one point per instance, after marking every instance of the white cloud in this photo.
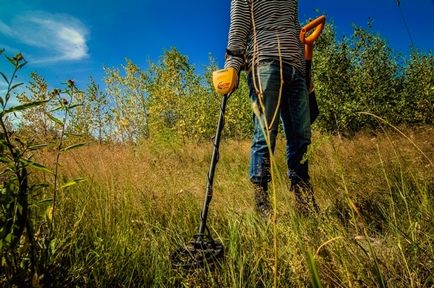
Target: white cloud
(59, 37)
(5, 29)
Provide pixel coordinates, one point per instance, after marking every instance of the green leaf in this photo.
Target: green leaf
(4, 77)
(315, 278)
(40, 167)
(53, 246)
(7, 170)
(55, 120)
(19, 208)
(44, 201)
(75, 105)
(72, 146)
(11, 60)
(25, 106)
(36, 166)
(57, 109)
(37, 187)
(4, 159)
(41, 202)
(37, 146)
(3, 230)
(73, 182)
(16, 86)
(8, 238)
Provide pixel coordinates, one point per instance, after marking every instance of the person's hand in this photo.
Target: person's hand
(225, 81)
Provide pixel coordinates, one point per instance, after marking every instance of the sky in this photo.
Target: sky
(64, 40)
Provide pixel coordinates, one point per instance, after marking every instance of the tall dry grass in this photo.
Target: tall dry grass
(140, 202)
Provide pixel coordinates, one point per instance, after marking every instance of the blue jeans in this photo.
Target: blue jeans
(290, 102)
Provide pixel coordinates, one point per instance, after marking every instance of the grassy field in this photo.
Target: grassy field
(139, 203)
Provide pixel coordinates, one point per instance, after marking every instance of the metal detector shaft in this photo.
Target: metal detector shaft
(214, 160)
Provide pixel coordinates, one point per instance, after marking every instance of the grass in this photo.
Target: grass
(139, 203)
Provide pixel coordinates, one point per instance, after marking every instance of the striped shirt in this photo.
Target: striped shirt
(264, 29)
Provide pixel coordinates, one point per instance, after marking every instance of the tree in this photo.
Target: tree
(354, 75)
(92, 118)
(128, 94)
(416, 102)
(173, 86)
(374, 79)
(101, 113)
(332, 69)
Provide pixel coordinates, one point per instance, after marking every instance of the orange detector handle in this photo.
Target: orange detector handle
(317, 24)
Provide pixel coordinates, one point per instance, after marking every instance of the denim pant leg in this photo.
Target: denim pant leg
(265, 105)
(296, 123)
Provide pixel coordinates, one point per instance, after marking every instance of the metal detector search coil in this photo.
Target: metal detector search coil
(199, 252)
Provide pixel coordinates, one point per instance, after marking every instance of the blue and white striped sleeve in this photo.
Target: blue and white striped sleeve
(239, 30)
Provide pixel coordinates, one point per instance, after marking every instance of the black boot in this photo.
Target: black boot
(305, 202)
(263, 206)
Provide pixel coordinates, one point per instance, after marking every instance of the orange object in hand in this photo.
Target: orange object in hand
(225, 81)
(317, 24)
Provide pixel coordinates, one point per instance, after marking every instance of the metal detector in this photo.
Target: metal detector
(203, 249)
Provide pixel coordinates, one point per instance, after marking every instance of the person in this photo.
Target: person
(264, 40)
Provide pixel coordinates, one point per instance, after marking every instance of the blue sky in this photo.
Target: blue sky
(75, 39)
